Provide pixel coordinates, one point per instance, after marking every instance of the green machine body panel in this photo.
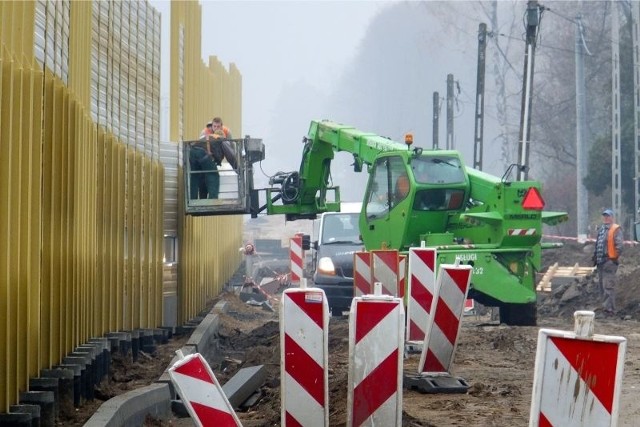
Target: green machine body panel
(417, 197)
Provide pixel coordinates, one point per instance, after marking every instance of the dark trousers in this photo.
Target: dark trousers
(205, 181)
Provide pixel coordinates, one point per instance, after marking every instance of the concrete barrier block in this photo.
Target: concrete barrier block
(131, 408)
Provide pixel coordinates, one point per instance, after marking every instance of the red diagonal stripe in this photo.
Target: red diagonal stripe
(390, 258)
(446, 321)
(414, 331)
(595, 362)
(432, 364)
(195, 368)
(369, 314)
(427, 257)
(296, 258)
(303, 369)
(312, 309)
(543, 421)
(363, 285)
(375, 389)
(421, 294)
(291, 421)
(460, 277)
(211, 417)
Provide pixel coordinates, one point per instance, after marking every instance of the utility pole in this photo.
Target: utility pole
(616, 202)
(533, 20)
(449, 145)
(635, 30)
(479, 122)
(436, 119)
(582, 195)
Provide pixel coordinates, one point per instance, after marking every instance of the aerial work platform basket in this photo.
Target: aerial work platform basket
(234, 174)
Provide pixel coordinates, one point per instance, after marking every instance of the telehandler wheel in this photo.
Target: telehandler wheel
(518, 314)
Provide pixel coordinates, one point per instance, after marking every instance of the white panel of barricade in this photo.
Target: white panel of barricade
(296, 255)
(376, 348)
(362, 270)
(304, 320)
(385, 270)
(201, 392)
(445, 320)
(422, 283)
(578, 377)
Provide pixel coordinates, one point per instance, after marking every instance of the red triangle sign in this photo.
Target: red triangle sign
(533, 200)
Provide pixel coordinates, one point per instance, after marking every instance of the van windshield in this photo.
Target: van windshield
(341, 228)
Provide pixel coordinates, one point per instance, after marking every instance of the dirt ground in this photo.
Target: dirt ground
(496, 360)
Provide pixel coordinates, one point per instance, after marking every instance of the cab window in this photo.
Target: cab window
(388, 186)
(437, 170)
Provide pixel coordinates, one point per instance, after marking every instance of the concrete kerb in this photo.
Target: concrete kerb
(131, 408)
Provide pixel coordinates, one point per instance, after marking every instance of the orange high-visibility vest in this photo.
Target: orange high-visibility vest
(612, 252)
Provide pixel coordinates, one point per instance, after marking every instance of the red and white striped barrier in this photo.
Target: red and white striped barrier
(422, 283)
(385, 270)
(296, 255)
(376, 349)
(445, 318)
(201, 392)
(304, 320)
(362, 270)
(578, 376)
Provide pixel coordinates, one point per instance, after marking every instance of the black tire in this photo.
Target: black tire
(519, 314)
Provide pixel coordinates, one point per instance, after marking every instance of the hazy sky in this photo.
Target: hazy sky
(276, 44)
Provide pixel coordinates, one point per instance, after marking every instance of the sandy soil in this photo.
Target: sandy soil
(496, 360)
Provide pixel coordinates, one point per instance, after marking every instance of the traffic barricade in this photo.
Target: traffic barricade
(201, 392)
(304, 320)
(376, 342)
(385, 265)
(442, 333)
(578, 376)
(422, 283)
(362, 270)
(296, 256)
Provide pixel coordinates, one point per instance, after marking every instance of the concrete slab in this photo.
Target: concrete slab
(243, 384)
(131, 408)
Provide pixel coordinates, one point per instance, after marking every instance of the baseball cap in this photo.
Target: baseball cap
(607, 212)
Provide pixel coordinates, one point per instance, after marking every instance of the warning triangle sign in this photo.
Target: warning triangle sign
(533, 200)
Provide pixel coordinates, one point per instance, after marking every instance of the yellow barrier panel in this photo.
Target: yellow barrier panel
(81, 218)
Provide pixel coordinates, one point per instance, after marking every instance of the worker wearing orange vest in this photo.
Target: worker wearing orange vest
(606, 257)
(216, 124)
